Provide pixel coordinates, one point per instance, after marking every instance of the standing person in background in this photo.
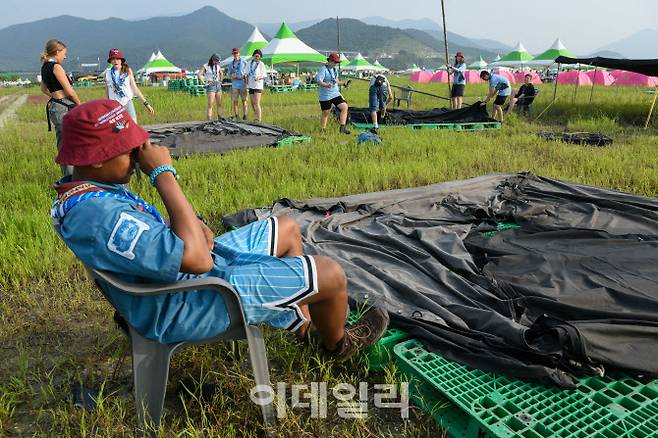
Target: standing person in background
(379, 95)
(212, 75)
(459, 81)
(256, 81)
(499, 87)
(55, 84)
(327, 79)
(237, 70)
(120, 84)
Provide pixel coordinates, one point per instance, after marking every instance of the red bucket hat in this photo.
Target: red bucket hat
(459, 54)
(115, 54)
(335, 57)
(97, 131)
(235, 50)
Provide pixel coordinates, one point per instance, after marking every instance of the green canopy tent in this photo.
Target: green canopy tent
(380, 67)
(285, 47)
(160, 67)
(480, 64)
(358, 64)
(516, 58)
(255, 41)
(548, 57)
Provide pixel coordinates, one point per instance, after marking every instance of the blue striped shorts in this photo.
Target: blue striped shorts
(269, 287)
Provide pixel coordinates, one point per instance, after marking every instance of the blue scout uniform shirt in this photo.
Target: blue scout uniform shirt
(500, 83)
(458, 70)
(240, 69)
(118, 235)
(327, 75)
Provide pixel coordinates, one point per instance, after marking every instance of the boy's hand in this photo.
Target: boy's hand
(210, 236)
(151, 156)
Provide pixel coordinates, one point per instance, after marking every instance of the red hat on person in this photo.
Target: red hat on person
(335, 57)
(97, 131)
(115, 54)
(459, 54)
(235, 50)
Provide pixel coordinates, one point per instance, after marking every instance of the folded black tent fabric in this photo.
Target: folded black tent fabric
(395, 116)
(572, 290)
(647, 67)
(220, 136)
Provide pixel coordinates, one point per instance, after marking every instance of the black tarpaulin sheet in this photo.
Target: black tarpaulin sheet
(186, 138)
(647, 67)
(395, 116)
(573, 291)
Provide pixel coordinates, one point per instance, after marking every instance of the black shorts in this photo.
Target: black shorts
(500, 100)
(255, 90)
(326, 104)
(457, 90)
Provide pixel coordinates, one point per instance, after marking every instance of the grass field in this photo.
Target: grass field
(56, 330)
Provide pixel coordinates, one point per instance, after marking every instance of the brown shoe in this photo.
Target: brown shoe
(366, 332)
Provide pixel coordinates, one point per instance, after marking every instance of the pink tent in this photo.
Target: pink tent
(472, 77)
(633, 79)
(421, 76)
(601, 77)
(573, 77)
(440, 76)
(520, 77)
(507, 74)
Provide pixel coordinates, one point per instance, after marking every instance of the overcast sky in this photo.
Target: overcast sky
(583, 25)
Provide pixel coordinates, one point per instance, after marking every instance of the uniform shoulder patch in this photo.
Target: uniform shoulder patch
(125, 235)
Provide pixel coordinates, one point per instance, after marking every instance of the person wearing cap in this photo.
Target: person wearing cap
(56, 85)
(499, 87)
(120, 84)
(459, 80)
(327, 79)
(212, 75)
(237, 71)
(110, 228)
(256, 81)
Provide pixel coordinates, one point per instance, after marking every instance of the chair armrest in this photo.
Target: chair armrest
(162, 288)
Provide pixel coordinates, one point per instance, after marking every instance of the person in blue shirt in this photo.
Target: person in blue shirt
(237, 71)
(499, 87)
(327, 79)
(459, 81)
(109, 228)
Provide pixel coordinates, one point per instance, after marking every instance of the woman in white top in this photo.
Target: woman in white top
(212, 75)
(120, 84)
(255, 81)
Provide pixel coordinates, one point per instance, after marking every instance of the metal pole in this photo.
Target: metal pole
(655, 97)
(445, 40)
(338, 42)
(555, 85)
(591, 93)
(575, 90)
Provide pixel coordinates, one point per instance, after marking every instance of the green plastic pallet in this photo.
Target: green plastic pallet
(293, 139)
(451, 126)
(499, 406)
(381, 354)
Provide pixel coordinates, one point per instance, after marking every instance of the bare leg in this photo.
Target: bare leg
(329, 306)
(234, 100)
(211, 101)
(218, 98)
(373, 115)
(324, 118)
(257, 108)
(244, 103)
(343, 113)
(459, 102)
(453, 102)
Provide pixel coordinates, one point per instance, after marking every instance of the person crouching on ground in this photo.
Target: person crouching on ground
(525, 96)
(499, 87)
(459, 81)
(237, 71)
(327, 79)
(110, 228)
(256, 81)
(379, 95)
(211, 75)
(120, 84)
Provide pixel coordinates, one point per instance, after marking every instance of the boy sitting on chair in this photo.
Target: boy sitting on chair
(111, 229)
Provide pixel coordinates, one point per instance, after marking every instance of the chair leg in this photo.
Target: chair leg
(150, 373)
(259, 364)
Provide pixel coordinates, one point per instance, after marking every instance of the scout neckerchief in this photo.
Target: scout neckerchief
(253, 67)
(331, 72)
(235, 68)
(213, 71)
(73, 193)
(118, 84)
